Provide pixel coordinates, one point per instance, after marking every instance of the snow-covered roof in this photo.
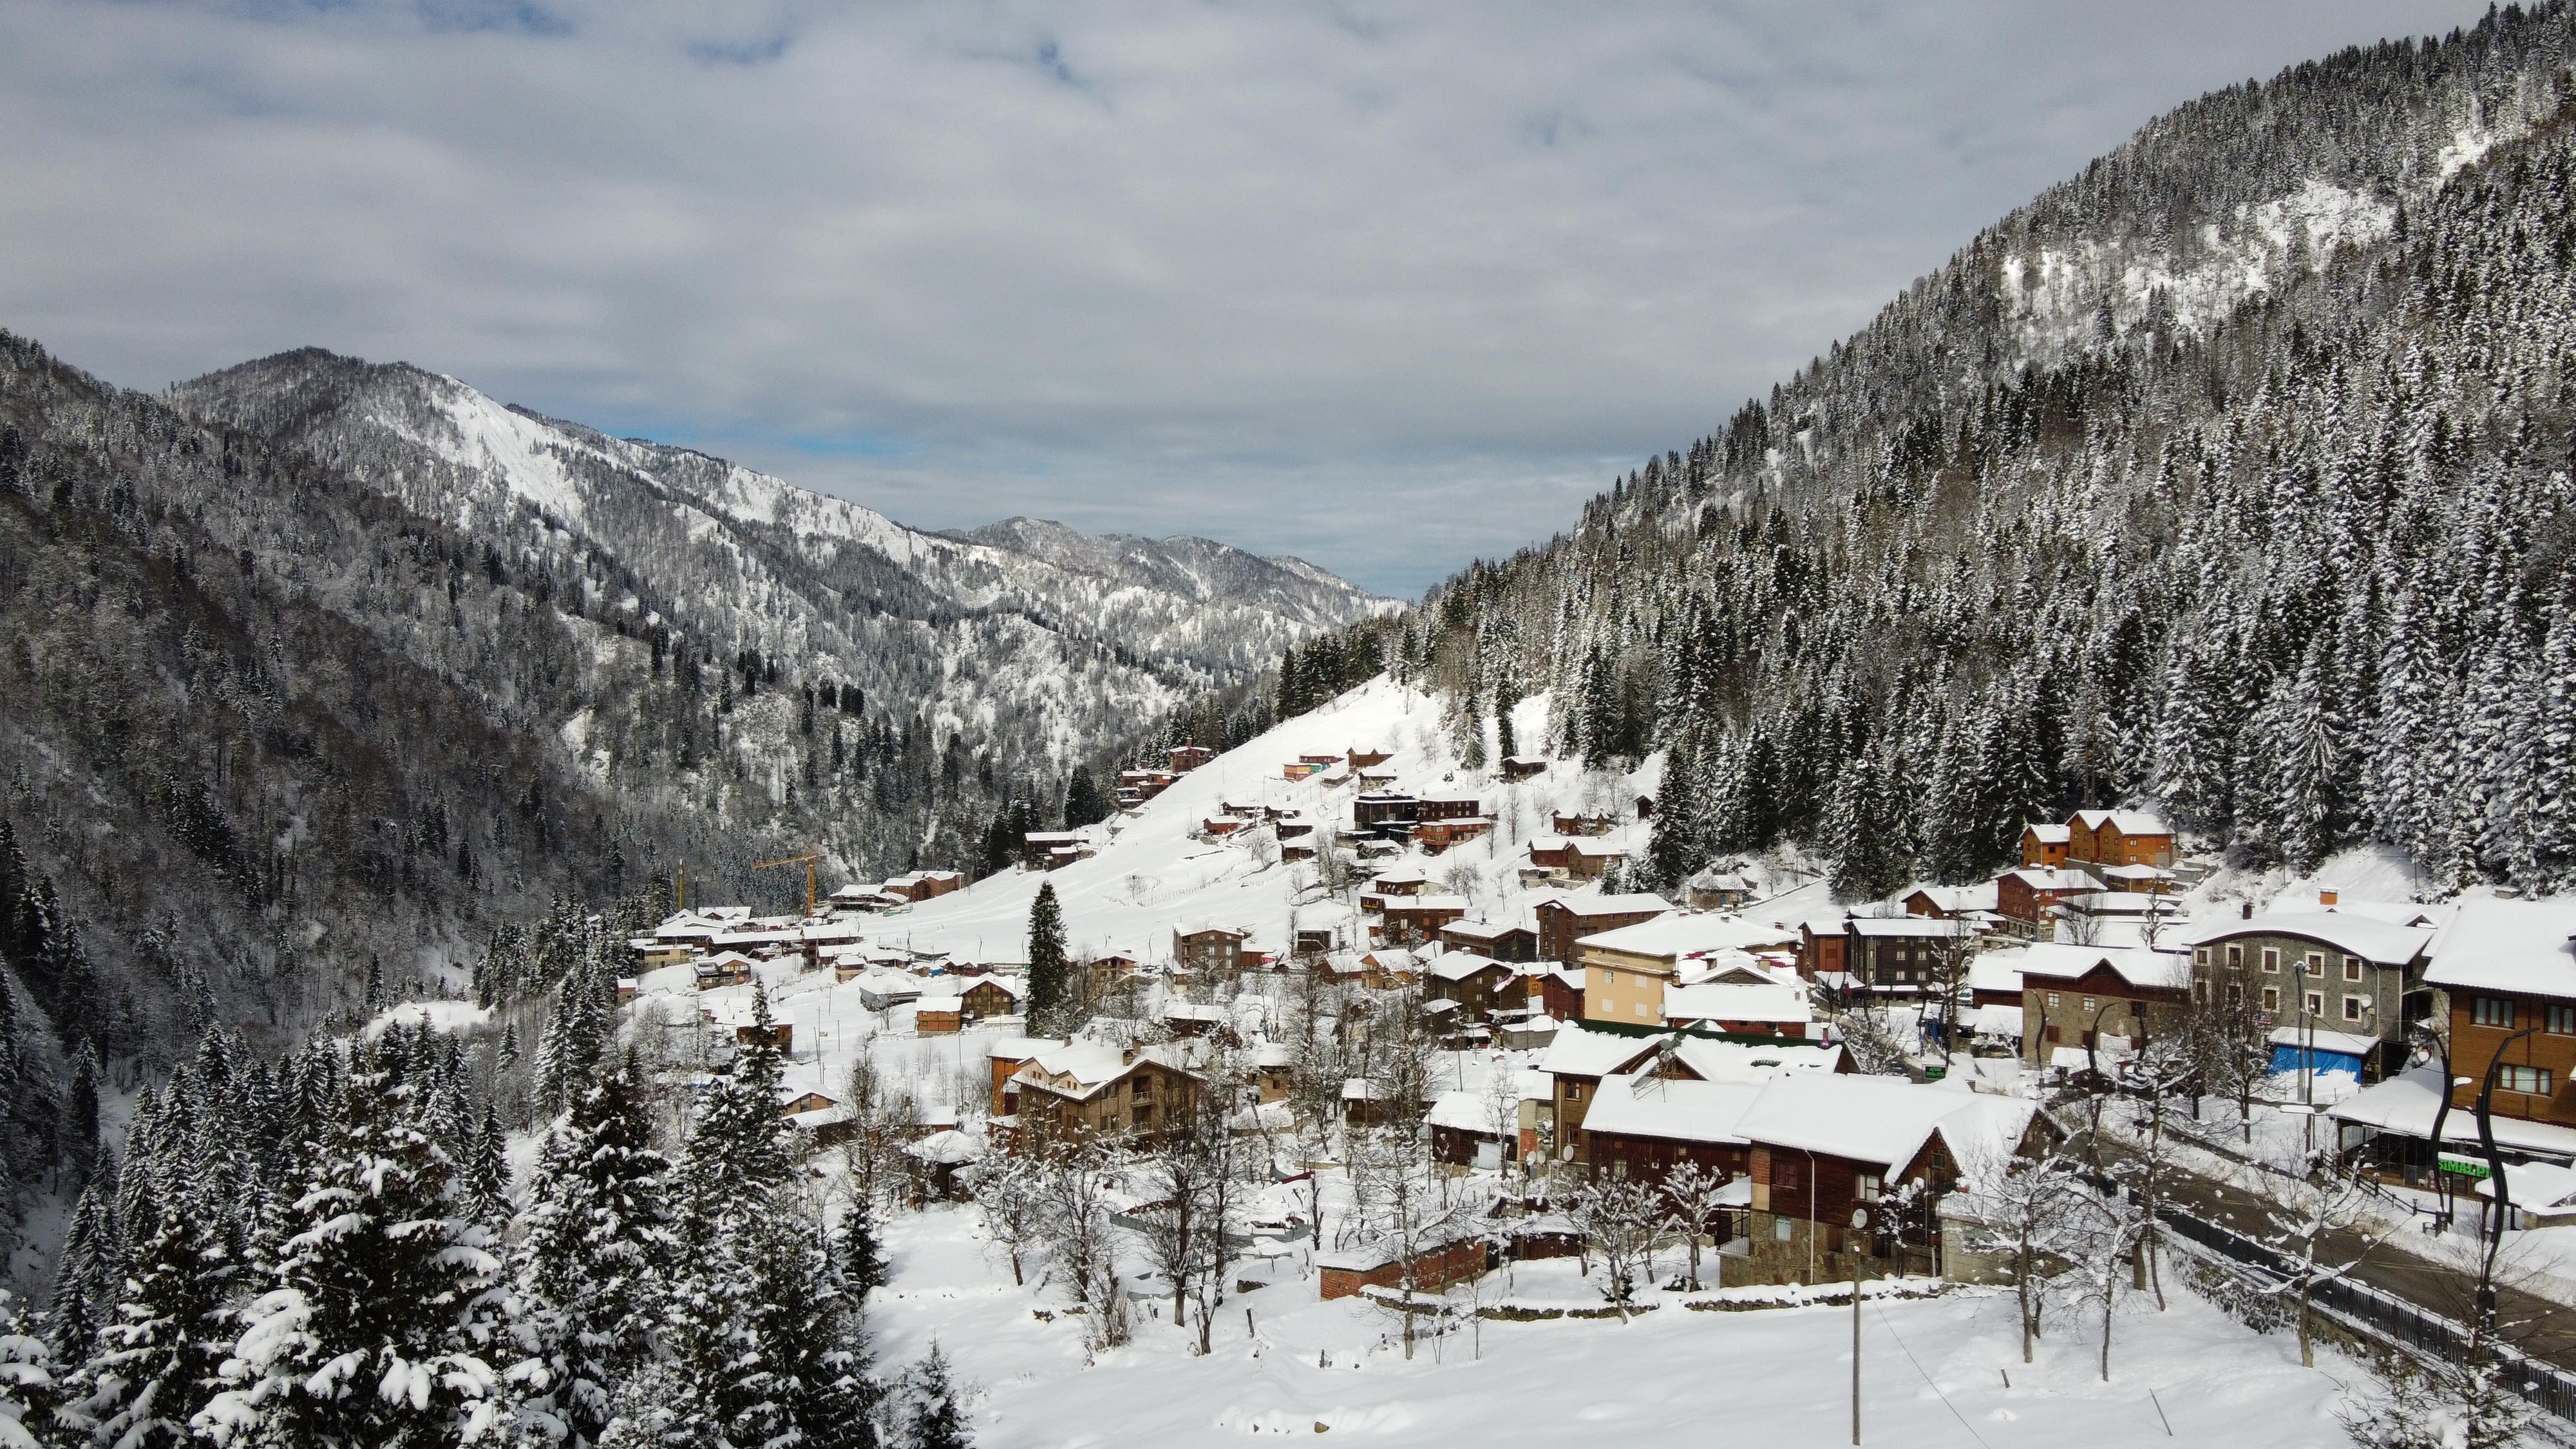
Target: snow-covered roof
(1907, 927)
(1676, 935)
(1601, 905)
(1459, 965)
(2406, 1103)
(951, 1148)
(2527, 947)
(2057, 961)
(1426, 903)
(2048, 834)
(1470, 1110)
(1954, 899)
(1996, 1021)
(1578, 1052)
(2052, 878)
(1021, 1048)
(1482, 930)
(1674, 1109)
(2127, 822)
(1730, 1001)
(1996, 971)
(2342, 1043)
(1881, 1120)
(1744, 1061)
(2350, 933)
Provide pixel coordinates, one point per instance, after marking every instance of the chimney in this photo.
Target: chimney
(2328, 895)
(2245, 911)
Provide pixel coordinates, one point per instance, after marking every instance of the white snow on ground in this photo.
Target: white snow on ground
(1944, 1371)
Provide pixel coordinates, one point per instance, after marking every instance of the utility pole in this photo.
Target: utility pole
(1860, 1224)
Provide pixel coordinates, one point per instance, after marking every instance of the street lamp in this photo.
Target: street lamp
(1860, 1224)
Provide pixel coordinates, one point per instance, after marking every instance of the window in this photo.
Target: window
(2534, 1080)
(2235, 958)
(1574, 1091)
(2200, 955)
(2271, 998)
(2052, 1000)
(2314, 1003)
(2316, 963)
(2088, 1003)
(1780, 1230)
(2272, 959)
(2352, 1008)
(1784, 1175)
(2236, 993)
(2562, 1019)
(1140, 1087)
(2200, 992)
(2352, 968)
(1866, 1186)
(1641, 1009)
(2491, 1011)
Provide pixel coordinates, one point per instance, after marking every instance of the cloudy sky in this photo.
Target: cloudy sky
(1385, 285)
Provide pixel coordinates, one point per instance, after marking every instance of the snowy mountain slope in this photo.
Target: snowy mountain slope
(799, 560)
(1154, 874)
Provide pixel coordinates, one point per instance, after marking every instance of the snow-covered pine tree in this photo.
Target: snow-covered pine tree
(933, 1418)
(1047, 966)
(374, 1329)
(601, 1235)
(158, 1361)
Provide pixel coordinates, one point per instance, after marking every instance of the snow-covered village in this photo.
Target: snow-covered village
(824, 726)
(1340, 1085)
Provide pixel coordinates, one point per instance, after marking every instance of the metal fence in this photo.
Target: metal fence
(2378, 1314)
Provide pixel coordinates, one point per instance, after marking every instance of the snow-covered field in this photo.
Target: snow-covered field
(1943, 1371)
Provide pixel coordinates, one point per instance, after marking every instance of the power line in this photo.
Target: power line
(1927, 1379)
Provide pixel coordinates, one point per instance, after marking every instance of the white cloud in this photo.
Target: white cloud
(1383, 284)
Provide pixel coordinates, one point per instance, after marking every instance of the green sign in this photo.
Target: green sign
(2463, 1166)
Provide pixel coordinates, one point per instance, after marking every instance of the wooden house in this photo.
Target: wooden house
(1826, 1145)
(2033, 893)
(1364, 757)
(1478, 984)
(991, 997)
(1090, 1092)
(781, 1034)
(1523, 767)
(1379, 812)
(1214, 950)
(2043, 847)
(1408, 919)
(1577, 822)
(1436, 836)
(1005, 1056)
(2119, 837)
(1184, 758)
(1501, 940)
(2110, 998)
(1452, 1257)
(938, 1015)
(2509, 967)
(1565, 919)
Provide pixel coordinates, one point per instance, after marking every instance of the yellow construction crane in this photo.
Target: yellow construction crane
(807, 861)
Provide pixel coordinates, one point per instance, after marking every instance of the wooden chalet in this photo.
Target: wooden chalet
(1566, 919)
(1502, 940)
(1184, 758)
(1209, 949)
(1090, 1092)
(1418, 918)
(1476, 984)
(1436, 836)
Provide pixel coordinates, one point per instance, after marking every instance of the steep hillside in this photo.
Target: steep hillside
(2230, 474)
(267, 734)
